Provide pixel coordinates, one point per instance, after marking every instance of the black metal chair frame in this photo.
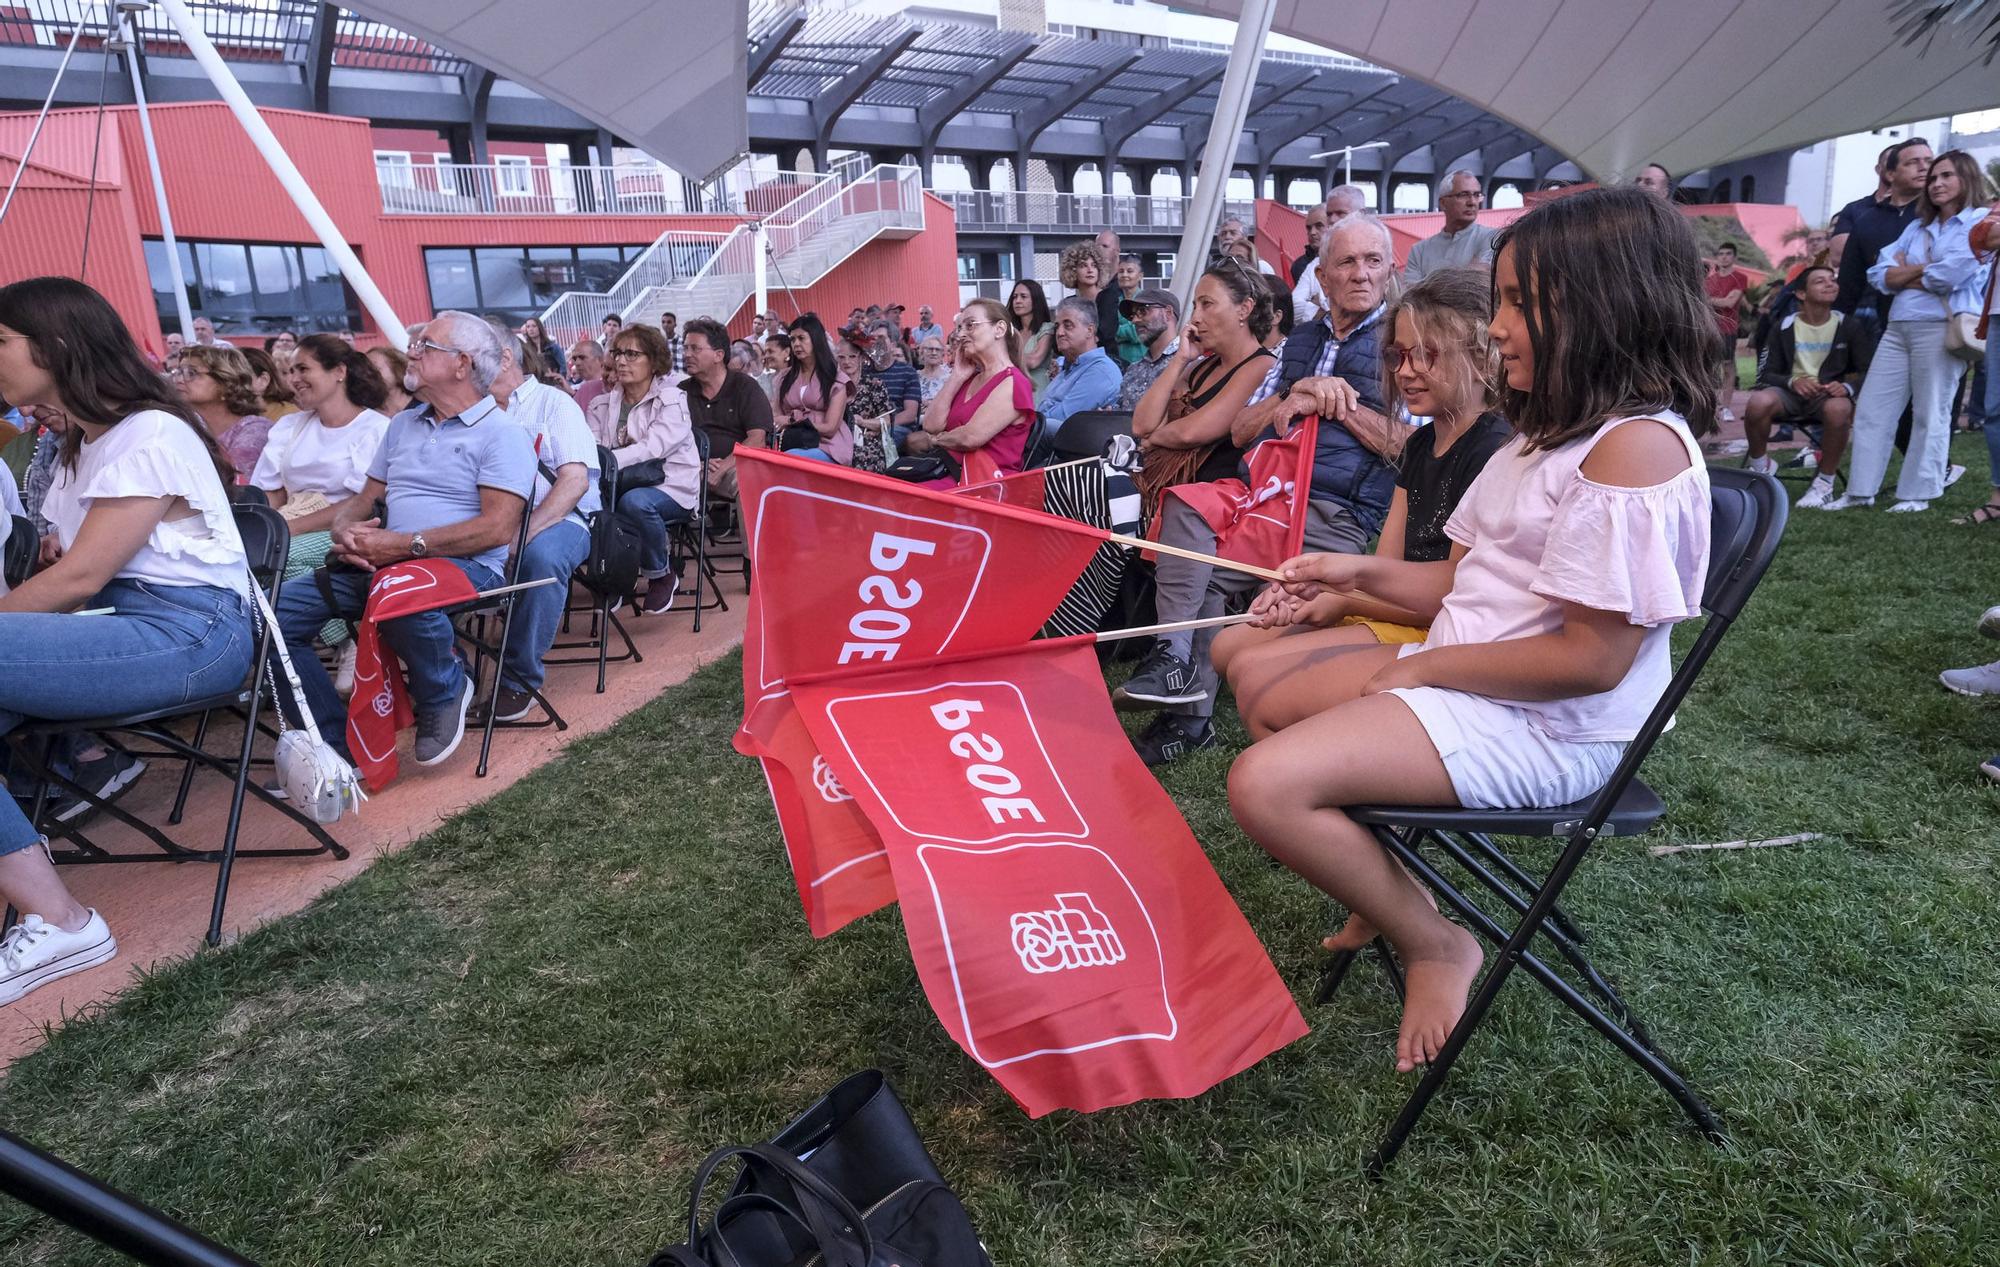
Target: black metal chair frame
(1085, 434)
(603, 619)
(485, 649)
(688, 539)
(1039, 446)
(266, 539)
(1748, 522)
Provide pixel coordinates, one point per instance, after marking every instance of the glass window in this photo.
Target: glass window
(226, 289)
(453, 283)
(392, 168)
(514, 176)
(250, 288)
(503, 277)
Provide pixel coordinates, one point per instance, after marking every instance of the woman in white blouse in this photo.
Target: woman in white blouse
(145, 541)
(318, 458)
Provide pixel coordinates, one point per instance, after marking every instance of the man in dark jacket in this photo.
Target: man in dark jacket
(1811, 369)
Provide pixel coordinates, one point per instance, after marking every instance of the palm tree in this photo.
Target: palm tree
(1968, 20)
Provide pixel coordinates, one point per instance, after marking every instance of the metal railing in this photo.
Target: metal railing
(1080, 214)
(506, 187)
(673, 256)
(258, 30)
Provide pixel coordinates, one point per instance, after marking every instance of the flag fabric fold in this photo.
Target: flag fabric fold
(380, 706)
(1261, 522)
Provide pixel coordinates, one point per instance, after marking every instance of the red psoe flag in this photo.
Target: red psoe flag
(1263, 522)
(851, 571)
(1067, 928)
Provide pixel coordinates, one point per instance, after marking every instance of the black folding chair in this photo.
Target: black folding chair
(688, 540)
(487, 650)
(728, 551)
(1035, 453)
(1087, 434)
(605, 589)
(1748, 519)
(24, 551)
(266, 539)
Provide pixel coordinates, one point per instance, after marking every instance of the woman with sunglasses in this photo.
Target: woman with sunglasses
(218, 384)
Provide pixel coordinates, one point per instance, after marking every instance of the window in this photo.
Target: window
(393, 170)
(254, 287)
(514, 176)
(520, 281)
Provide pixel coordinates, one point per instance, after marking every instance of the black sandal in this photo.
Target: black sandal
(1983, 515)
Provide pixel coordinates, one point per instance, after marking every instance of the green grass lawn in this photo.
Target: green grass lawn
(510, 1043)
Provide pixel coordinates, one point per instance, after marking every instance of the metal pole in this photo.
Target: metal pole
(1232, 107)
(286, 171)
(42, 118)
(130, 28)
(761, 244)
(104, 1214)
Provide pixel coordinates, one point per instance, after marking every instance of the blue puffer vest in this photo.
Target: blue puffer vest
(1344, 470)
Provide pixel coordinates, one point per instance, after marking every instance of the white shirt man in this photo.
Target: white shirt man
(1463, 242)
(1342, 201)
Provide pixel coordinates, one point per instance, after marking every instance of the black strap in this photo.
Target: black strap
(824, 1198)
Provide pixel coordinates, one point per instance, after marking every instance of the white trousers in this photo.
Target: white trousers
(1911, 367)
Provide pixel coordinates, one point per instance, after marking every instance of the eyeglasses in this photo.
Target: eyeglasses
(1421, 358)
(186, 372)
(626, 354)
(970, 323)
(1241, 267)
(1463, 193)
(420, 346)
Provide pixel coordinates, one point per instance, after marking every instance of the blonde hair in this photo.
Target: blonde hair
(1450, 310)
(232, 374)
(1073, 258)
(993, 310)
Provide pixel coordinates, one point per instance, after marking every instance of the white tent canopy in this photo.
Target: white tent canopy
(1616, 84)
(664, 75)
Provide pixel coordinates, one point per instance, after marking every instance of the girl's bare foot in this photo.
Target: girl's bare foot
(1435, 987)
(1353, 935)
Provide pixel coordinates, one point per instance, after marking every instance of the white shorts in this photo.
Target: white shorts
(1498, 758)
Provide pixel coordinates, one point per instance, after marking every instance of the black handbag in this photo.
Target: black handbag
(920, 468)
(647, 474)
(798, 435)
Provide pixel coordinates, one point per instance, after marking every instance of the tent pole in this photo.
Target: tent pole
(1232, 108)
(130, 29)
(286, 171)
(21, 168)
(760, 243)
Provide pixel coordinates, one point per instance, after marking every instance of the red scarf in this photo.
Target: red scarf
(380, 705)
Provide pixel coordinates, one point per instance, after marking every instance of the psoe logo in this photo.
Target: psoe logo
(827, 783)
(1073, 935)
(384, 703)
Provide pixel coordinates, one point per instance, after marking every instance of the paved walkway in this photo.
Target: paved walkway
(159, 912)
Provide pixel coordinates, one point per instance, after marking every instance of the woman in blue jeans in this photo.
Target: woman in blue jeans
(145, 541)
(644, 418)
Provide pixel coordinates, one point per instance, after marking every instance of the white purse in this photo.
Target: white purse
(316, 779)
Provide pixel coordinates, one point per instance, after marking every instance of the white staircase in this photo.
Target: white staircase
(714, 274)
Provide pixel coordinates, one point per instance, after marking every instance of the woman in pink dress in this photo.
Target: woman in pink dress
(984, 411)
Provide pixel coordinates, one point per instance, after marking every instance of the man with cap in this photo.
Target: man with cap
(1156, 314)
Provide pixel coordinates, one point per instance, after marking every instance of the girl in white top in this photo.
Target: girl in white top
(1575, 550)
(144, 538)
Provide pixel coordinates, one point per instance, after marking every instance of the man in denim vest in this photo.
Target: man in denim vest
(1331, 366)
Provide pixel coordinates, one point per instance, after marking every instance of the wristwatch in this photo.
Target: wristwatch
(417, 547)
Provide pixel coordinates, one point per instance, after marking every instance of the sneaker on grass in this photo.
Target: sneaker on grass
(439, 730)
(34, 953)
(1848, 501)
(1909, 508)
(1162, 678)
(1766, 465)
(1989, 624)
(1991, 767)
(1953, 474)
(1981, 679)
(1171, 737)
(1818, 494)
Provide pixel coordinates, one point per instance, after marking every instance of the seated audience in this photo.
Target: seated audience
(1231, 238)
(1463, 242)
(986, 409)
(932, 371)
(454, 475)
(558, 524)
(645, 419)
(1315, 228)
(1130, 278)
(538, 340)
(1814, 360)
(1089, 377)
(216, 382)
(926, 327)
(812, 398)
(776, 355)
(1028, 312)
(269, 378)
(144, 537)
(587, 371)
(724, 402)
(897, 377)
(394, 367)
(1575, 552)
(1342, 201)
(868, 407)
(1442, 366)
(1182, 422)
(1333, 367)
(1156, 315)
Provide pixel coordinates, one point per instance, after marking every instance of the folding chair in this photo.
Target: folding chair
(484, 649)
(266, 539)
(1086, 434)
(689, 540)
(24, 551)
(1747, 520)
(605, 589)
(728, 550)
(1035, 453)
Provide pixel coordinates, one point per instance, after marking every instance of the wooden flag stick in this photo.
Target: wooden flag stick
(1661, 851)
(1057, 466)
(1112, 635)
(1248, 569)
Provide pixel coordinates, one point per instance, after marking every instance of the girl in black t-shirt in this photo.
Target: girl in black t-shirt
(1440, 364)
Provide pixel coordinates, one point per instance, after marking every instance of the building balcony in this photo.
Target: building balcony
(988, 211)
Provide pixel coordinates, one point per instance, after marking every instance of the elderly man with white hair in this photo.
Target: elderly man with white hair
(1463, 242)
(1342, 202)
(454, 475)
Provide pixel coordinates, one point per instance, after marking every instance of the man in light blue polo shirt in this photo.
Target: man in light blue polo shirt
(558, 524)
(1089, 378)
(455, 473)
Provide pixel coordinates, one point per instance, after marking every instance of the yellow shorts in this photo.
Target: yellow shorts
(1388, 633)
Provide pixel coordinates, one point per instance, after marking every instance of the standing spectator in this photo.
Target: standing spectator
(987, 406)
(1463, 242)
(1083, 270)
(1867, 225)
(646, 420)
(670, 331)
(1657, 181)
(813, 395)
(1810, 372)
(454, 475)
(724, 402)
(143, 534)
(558, 519)
(1725, 284)
(898, 378)
(1985, 239)
(1931, 273)
(893, 314)
(538, 339)
(927, 327)
(1315, 226)
(215, 382)
(609, 327)
(394, 367)
(587, 371)
(1028, 313)
(1130, 278)
(174, 342)
(1156, 314)
(204, 332)
(1089, 378)
(932, 373)
(268, 379)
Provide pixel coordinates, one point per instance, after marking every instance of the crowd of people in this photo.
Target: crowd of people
(1506, 515)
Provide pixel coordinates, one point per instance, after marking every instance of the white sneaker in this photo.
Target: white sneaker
(34, 953)
(1989, 624)
(1818, 495)
(1909, 508)
(1848, 501)
(1981, 679)
(343, 674)
(1953, 474)
(1732, 448)
(1766, 465)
